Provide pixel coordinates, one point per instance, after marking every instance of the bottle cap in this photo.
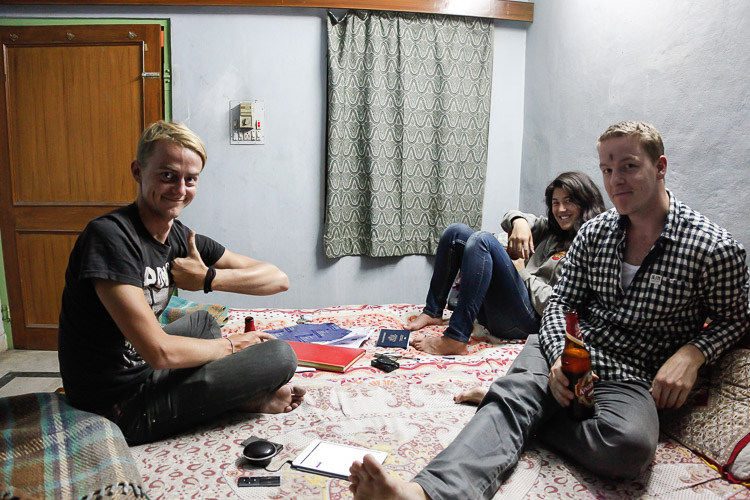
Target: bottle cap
(249, 324)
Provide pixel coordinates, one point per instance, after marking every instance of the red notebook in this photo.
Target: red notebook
(326, 357)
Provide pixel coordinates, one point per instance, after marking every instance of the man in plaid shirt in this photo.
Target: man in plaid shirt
(644, 277)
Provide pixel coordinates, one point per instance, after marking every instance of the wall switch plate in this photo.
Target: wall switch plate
(247, 122)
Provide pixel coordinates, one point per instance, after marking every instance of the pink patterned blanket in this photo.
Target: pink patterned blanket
(409, 413)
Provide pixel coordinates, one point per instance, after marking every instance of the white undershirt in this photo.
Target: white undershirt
(628, 273)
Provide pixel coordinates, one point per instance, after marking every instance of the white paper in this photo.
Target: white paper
(355, 338)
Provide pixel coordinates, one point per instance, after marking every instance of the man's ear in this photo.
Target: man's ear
(661, 166)
(135, 170)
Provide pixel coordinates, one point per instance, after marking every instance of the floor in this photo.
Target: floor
(23, 371)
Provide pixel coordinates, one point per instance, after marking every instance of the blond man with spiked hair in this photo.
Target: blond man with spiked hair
(115, 358)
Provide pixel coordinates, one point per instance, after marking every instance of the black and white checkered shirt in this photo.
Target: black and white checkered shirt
(695, 270)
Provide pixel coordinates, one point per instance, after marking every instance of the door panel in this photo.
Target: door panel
(75, 158)
(41, 290)
(73, 104)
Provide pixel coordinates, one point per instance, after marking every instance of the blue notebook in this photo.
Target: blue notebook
(393, 338)
(310, 332)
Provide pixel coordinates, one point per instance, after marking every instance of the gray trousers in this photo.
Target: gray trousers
(173, 401)
(619, 442)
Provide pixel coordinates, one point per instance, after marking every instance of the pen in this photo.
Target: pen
(390, 355)
(395, 356)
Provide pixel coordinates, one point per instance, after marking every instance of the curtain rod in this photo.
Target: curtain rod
(496, 9)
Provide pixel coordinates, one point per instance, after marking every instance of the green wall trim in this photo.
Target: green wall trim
(166, 80)
(53, 21)
(4, 300)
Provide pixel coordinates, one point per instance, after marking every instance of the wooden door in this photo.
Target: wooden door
(74, 100)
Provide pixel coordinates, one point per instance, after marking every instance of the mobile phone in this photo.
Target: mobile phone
(385, 364)
(259, 481)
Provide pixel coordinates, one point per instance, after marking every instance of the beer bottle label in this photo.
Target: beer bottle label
(572, 329)
(577, 341)
(584, 389)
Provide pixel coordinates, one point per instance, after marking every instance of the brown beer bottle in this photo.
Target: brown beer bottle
(576, 365)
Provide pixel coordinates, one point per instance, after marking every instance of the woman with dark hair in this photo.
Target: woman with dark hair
(506, 290)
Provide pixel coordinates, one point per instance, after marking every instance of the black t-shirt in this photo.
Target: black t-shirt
(99, 367)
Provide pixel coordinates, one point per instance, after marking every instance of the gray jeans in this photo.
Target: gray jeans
(619, 442)
(173, 401)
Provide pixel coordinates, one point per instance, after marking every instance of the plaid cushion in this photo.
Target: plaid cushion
(51, 450)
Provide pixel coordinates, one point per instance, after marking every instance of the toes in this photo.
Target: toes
(371, 466)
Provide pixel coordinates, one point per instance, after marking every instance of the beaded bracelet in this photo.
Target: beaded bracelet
(210, 275)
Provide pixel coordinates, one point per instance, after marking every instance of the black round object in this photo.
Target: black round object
(259, 450)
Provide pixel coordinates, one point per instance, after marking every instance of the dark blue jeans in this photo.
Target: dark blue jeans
(491, 289)
(173, 401)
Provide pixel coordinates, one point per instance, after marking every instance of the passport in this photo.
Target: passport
(393, 338)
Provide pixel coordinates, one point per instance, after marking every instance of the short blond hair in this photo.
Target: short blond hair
(646, 133)
(170, 131)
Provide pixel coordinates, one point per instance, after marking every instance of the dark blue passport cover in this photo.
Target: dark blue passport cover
(394, 338)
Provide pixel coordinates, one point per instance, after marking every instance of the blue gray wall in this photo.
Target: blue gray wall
(267, 201)
(683, 66)
(557, 84)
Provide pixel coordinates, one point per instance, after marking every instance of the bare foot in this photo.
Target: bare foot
(439, 345)
(369, 481)
(474, 395)
(284, 400)
(423, 320)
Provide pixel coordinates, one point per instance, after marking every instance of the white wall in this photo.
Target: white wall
(682, 65)
(267, 201)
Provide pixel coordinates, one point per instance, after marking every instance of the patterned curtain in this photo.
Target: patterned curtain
(408, 120)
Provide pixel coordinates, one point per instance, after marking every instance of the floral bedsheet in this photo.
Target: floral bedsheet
(408, 413)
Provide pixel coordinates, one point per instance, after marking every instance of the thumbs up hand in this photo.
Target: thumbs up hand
(189, 272)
